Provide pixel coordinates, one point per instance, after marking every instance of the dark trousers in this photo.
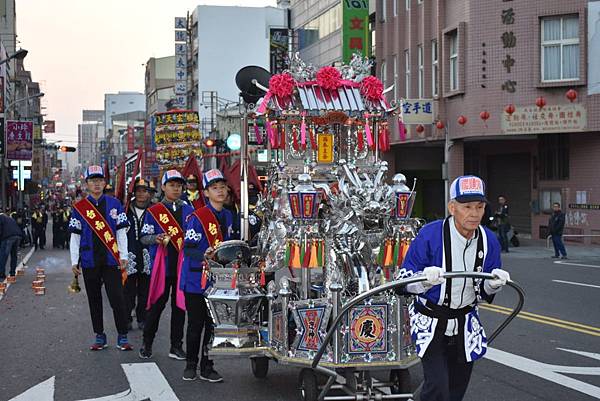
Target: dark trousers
(445, 370)
(9, 246)
(136, 295)
(503, 230)
(39, 237)
(559, 247)
(200, 330)
(111, 277)
(177, 315)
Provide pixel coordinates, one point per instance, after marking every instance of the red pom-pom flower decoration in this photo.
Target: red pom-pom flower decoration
(371, 88)
(329, 78)
(282, 85)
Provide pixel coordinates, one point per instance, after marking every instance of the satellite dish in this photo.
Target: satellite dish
(245, 78)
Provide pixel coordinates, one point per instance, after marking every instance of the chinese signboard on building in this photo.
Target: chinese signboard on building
(176, 135)
(278, 50)
(19, 140)
(550, 119)
(355, 28)
(181, 37)
(417, 111)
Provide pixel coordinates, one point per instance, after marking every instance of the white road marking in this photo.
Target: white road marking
(40, 392)
(560, 262)
(574, 283)
(550, 372)
(20, 266)
(146, 383)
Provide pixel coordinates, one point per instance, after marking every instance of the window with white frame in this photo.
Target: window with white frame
(434, 68)
(407, 4)
(560, 48)
(421, 71)
(395, 83)
(453, 41)
(407, 72)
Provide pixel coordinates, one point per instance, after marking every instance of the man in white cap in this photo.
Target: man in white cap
(163, 231)
(98, 227)
(444, 317)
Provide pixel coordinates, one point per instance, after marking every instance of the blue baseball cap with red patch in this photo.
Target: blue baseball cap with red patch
(94, 172)
(212, 176)
(172, 175)
(468, 188)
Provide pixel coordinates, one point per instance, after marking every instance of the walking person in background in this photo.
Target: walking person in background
(503, 223)
(37, 225)
(10, 238)
(556, 225)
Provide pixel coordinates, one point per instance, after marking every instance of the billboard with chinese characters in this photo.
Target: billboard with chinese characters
(19, 140)
(418, 111)
(278, 50)
(547, 120)
(176, 135)
(355, 29)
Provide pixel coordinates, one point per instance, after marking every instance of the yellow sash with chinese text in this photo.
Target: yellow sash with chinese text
(99, 225)
(168, 223)
(211, 226)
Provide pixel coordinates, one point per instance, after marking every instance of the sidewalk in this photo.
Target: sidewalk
(531, 248)
(24, 256)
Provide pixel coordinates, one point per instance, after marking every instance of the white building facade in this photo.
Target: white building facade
(223, 40)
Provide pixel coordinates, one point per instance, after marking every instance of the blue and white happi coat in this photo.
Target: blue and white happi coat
(428, 249)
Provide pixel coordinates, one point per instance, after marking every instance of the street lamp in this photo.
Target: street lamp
(37, 95)
(19, 55)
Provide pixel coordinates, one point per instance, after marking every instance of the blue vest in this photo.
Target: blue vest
(91, 250)
(151, 227)
(194, 246)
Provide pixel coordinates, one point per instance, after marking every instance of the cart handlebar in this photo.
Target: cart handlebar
(416, 279)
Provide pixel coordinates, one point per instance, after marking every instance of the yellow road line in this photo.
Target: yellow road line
(592, 331)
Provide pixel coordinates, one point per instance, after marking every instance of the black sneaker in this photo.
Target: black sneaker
(554, 257)
(211, 375)
(189, 373)
(146, 352)
(177, 353)
(564, 257)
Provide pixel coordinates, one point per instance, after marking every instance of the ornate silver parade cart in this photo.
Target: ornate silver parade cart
(333, 235)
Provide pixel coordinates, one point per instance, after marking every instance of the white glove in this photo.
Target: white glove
(434, 275)
(502, 277)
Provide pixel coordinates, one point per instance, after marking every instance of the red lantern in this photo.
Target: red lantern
(540, 102)
(571, 95)
(420, 128)
(462, 120)
(509, 109)
(484, 115)
(440, 125)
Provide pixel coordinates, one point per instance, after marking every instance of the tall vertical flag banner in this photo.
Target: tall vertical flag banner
(181, 60)
(355, 28)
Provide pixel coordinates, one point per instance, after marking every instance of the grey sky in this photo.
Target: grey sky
(81, 49)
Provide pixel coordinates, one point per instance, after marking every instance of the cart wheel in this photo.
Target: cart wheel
(260, 367)
(400, 379)
(309, 390)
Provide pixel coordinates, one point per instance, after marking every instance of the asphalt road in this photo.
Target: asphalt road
(45, 337)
